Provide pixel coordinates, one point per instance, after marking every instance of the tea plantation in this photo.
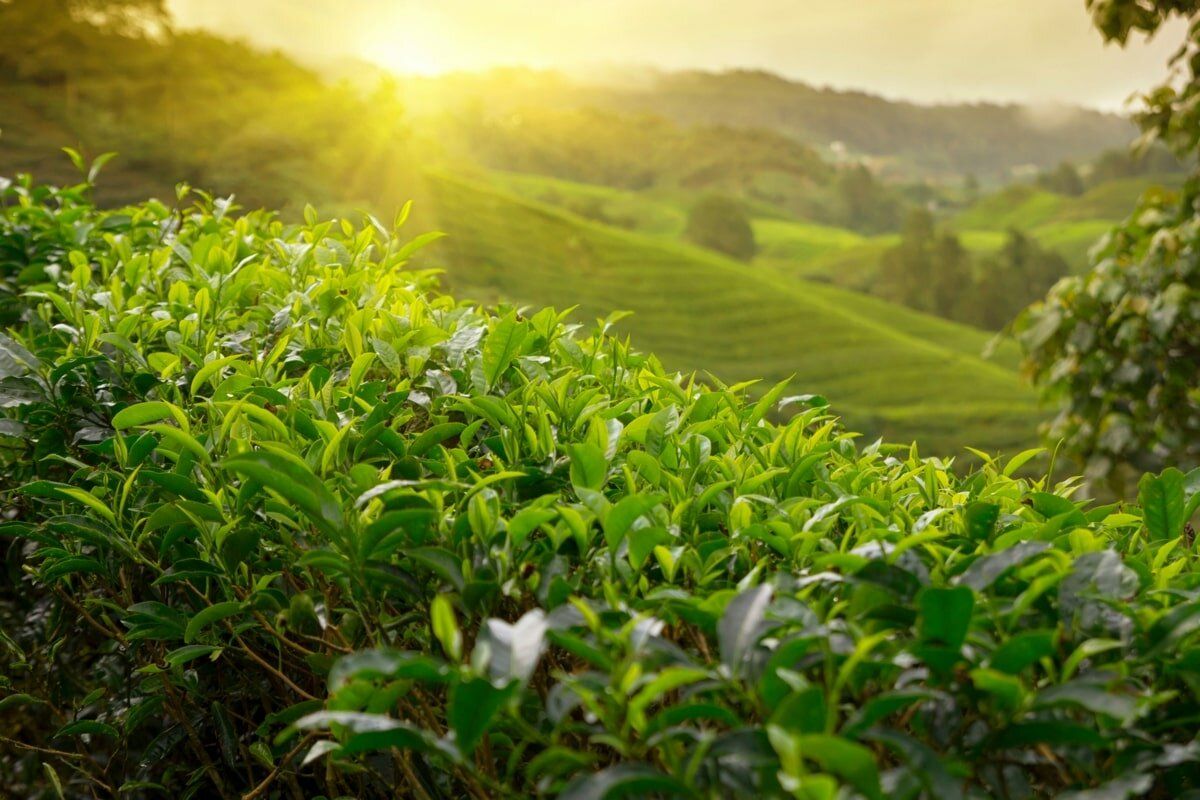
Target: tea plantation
(281, 520)
(893, 371)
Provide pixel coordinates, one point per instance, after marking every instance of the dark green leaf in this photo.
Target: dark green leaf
(291, 478)
(474, 704)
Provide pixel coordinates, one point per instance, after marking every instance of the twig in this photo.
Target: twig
(265, 665)
(106, 631)
(47, 750)
(283, 762)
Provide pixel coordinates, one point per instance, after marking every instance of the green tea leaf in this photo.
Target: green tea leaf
(445, 627)
(291, 478)
(945, 616)
(742, 624)
(589, 467)
(851, 762)
(501, 346)
(474, 704)
(1162, 501)
(209, 615)
(143, 413)
(624, 780)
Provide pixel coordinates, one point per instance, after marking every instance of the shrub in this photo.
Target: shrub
(287, 522)
(1115, 349)
(719, 223)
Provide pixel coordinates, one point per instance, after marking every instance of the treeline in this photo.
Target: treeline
(910, 141)
(916, 140)
(1072, 179)
(930, 270)
(115, 76)
(642, 151)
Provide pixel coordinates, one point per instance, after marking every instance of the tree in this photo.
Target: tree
(1008, 280)
(1118, 348)
(720, 224)
(970, 189)
(931, 271)
(866, 205)
(1114, 165)
(55, 40)
(904, 268)
(928, 270)
(1063, 180)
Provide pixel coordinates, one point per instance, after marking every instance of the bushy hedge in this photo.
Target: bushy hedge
(283, 521)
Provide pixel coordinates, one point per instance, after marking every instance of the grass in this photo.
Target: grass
(794, 240)
(1068, 225)
(841, 257)
(889, 370)
(1030, 208)
(630, 210)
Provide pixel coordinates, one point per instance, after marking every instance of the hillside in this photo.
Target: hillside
(1029, 208)
(905, 139)
(800, 248)
(593, 206)
(890, 371)
(1066, 225)
(879, 364)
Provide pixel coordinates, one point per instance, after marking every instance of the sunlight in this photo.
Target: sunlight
(408, 44)
(404, 57)
(567, 399)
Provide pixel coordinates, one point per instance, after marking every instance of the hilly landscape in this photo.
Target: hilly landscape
(527, 431)
(575, 192)
(901, 139)
(698, 310)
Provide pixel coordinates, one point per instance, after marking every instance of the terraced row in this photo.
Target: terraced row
(889, 370)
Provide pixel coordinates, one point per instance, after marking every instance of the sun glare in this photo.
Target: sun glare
(407, 44)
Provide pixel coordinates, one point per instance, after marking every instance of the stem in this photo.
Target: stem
(258, 790)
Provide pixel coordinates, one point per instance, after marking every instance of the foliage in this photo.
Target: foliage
(1116, 349)
(1009, 279)
(927, 269)
(1064, 179)
(698, 311)
(57, 40)
(912, 140)
(285, 521)
(720, 224)
(930, 270)
(1169, 113)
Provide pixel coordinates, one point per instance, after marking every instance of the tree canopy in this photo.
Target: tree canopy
(1116, 349)
(720, 224)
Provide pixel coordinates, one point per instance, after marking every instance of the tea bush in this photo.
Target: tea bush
(281, 520)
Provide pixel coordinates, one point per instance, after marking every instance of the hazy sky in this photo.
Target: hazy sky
(927, 50)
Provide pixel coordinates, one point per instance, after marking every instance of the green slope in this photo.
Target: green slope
(889, 370)
(630, 210)
(1067, 225)
(1030, 208)
(784, 240)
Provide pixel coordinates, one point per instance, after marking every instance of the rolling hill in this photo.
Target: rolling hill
(909, 139)
(890, 371)
(1067, 225)
(798, 248)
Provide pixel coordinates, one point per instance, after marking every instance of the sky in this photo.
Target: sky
(929, 51)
